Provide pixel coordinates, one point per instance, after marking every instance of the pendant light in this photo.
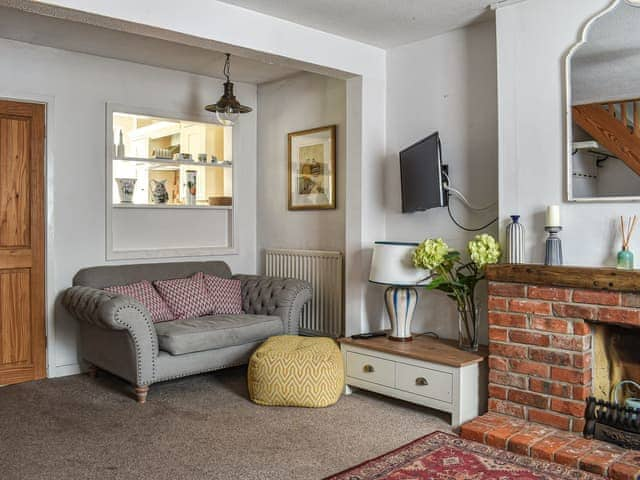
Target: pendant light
(228, 108)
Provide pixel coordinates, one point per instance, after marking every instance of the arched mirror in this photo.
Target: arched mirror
(603, 110)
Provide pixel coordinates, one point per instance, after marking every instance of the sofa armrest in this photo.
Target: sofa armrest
(113, 311)
(283, 297)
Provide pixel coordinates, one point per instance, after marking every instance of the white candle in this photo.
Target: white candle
(553, 216)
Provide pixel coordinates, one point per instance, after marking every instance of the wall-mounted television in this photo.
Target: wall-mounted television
(421, 175)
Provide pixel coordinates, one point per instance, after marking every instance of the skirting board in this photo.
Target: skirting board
(64, 370)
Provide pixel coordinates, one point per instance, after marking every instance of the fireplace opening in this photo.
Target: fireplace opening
(616, 358)
(613, 413)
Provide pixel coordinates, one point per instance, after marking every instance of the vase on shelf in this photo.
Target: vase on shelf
(191, 187)
(468, 323)
(515, 240)
(625, 259)
(126, 187)
(120, 146)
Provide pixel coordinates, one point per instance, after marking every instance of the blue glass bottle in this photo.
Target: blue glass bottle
(625, 259)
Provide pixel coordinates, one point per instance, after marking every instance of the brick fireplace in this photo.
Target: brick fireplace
(542, 324)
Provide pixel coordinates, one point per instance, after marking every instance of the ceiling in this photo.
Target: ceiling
(383, 23)
(607, 66)
(54, 32)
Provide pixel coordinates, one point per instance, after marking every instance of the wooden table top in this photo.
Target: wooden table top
(423, 347)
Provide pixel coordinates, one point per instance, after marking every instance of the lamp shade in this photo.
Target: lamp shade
(392, 264)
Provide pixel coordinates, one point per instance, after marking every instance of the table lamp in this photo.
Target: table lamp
(392, 265)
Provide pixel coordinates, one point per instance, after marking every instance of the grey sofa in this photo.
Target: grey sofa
(117, 335)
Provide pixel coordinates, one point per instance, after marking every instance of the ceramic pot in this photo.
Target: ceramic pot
(126, 187)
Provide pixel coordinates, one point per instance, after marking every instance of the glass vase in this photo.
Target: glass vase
(625, 259)
(468, 320)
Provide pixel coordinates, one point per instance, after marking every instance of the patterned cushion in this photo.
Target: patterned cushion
(225, 293)
(296, 371)
(145, 293)
(186, 297)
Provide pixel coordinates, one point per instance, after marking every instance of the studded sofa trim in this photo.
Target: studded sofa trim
(104, 312)
(284, 297)
(113, 311)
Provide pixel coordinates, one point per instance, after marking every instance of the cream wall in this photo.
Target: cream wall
(77, 87)
(300, 102)
(448, 84)
(533, 39)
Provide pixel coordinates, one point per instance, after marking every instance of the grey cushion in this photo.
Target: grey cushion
(215, 331)
(107, 276)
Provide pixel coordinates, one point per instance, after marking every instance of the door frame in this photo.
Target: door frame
(52, 370)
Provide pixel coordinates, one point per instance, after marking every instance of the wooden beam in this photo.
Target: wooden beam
(596, 278)
(636, 119)
(610, 133)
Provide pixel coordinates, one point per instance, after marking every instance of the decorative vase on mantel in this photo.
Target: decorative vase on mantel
(468, 327)
(515, 240)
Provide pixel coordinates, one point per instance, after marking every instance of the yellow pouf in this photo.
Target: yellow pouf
(294, 371)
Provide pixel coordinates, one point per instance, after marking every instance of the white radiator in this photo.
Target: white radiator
(324, 271)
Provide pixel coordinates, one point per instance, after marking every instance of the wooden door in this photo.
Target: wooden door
(22, 319)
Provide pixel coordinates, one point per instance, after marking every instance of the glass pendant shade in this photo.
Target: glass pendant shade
(227, 117)
(228, 108)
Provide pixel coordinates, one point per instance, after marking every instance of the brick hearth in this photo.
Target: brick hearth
(548, 443)
(541, 361)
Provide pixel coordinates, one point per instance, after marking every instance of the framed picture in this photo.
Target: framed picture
(312, 169)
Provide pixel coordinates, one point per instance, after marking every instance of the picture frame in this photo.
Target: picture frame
(312, 169)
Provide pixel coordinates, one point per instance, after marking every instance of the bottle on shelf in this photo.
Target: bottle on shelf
(120, 148)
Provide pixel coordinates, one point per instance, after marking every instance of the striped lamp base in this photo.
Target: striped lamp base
(401, 303)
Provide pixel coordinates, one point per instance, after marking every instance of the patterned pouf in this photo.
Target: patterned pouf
(294, 371)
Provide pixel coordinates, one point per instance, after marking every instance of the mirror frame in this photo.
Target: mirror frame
(569, 115)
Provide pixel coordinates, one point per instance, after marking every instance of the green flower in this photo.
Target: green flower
(430, 254)
(484, 250)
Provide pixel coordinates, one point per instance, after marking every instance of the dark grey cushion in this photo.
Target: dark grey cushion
(215, 331)
(107, 276)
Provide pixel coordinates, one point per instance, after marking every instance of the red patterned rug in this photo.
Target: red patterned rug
(441, 456)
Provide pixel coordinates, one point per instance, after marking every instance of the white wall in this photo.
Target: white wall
(447, 83)
(296, 103)
(533, 39)
(248, 33)
(78, 87)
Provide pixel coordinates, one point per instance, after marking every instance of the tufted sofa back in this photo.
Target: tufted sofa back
(106, 276)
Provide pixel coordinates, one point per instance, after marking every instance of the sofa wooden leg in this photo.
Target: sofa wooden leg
(141, 393)
(93, 371)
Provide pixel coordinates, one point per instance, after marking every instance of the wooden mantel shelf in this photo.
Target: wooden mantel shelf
(598, 278)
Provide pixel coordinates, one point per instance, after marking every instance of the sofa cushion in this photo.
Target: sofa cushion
(148, 296)
(215, 331)
(186, 297)
(225, 293)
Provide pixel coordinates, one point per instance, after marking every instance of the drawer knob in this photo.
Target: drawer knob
(421, 381)
(368, 369)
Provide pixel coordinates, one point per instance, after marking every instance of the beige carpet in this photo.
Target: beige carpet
(201, 427)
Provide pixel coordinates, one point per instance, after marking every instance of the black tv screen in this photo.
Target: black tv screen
(421, 175)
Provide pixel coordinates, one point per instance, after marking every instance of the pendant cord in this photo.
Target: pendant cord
(227, 67)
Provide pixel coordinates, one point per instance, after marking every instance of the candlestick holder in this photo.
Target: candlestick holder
(553, 250)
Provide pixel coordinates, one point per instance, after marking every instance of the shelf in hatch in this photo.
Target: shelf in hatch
(170, 161)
